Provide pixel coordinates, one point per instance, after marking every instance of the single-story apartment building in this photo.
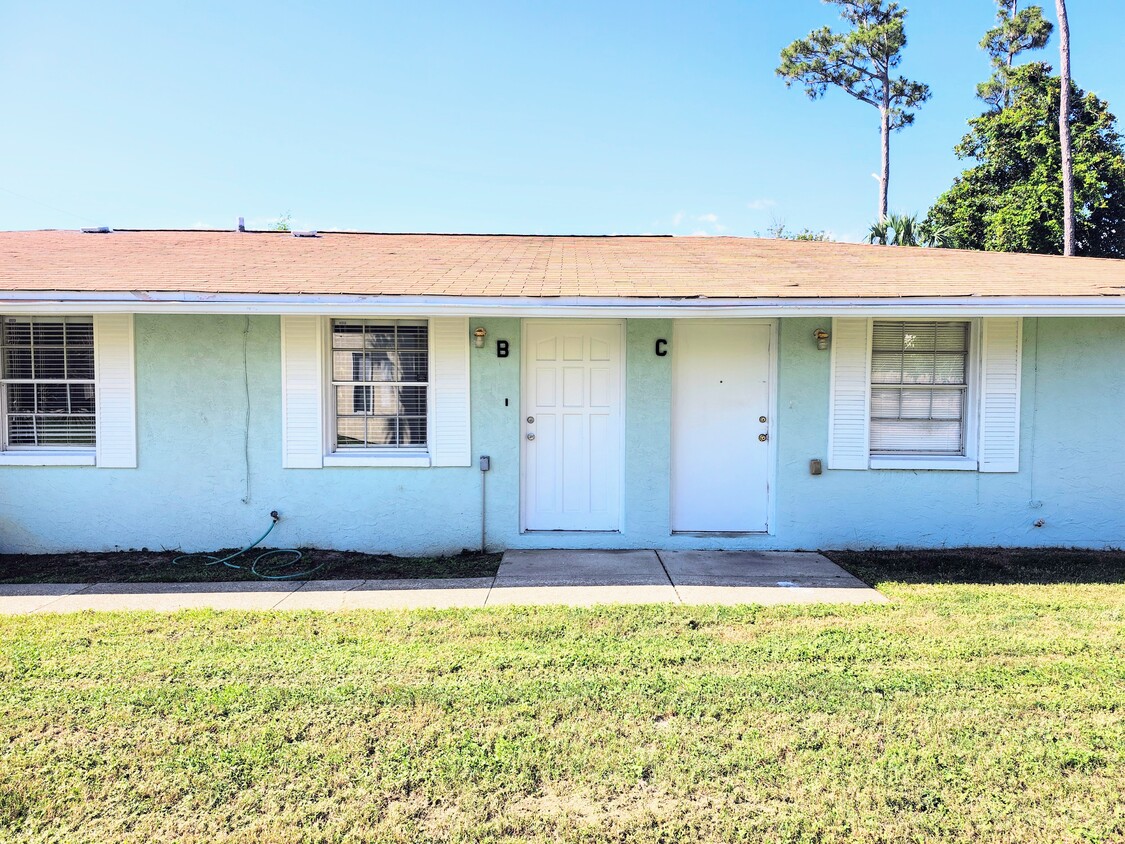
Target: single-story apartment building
(420, 394)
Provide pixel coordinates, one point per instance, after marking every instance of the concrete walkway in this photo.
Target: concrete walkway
(574, 578)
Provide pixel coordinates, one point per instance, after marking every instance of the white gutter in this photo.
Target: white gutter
(140, 302)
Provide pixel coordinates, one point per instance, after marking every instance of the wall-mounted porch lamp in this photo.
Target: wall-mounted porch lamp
(821, 337)
(478, 337)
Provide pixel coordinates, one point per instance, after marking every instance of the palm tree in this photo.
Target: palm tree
(905, 230)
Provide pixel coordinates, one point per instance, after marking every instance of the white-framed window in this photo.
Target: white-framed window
(375, 391)
(48, 390)
(922, 375)
(925, 393)
(380, 384)
(68, 390)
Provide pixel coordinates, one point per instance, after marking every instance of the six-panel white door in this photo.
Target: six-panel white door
(720, 394)
(571, 425)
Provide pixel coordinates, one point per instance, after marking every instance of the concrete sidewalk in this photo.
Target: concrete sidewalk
(573, 578)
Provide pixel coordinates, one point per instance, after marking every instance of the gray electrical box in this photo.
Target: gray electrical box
(485, 463)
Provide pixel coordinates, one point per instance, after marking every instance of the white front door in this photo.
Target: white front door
(571, 425)
(720, 409)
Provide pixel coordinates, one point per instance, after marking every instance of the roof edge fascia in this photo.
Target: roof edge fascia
(13, 302)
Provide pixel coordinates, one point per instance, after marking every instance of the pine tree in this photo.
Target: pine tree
(1016, 31)
(861, 62)
(1065, 141)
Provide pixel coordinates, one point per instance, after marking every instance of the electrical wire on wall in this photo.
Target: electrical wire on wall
(246, 387)
(1034, 415)
(271, 563)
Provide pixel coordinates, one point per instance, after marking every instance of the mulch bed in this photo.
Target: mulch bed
(984, 565)
(157, 566)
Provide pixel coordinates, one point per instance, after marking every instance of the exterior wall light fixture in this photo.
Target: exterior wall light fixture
(478, 337)
(821, 337)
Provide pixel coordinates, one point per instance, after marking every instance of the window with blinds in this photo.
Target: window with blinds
(380, 378)
(47, 380)
(919, 387)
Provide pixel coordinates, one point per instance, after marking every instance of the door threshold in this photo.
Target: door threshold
(569, 531)
(720, 533)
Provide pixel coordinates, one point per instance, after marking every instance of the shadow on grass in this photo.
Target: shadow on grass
(984, 565)
(157, 567)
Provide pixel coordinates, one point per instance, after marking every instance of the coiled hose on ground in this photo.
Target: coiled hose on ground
(257, 566)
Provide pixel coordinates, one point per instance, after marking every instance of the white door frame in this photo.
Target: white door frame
(621, 399)
(771, 443)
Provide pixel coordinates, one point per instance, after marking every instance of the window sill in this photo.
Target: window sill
(948, 464)
(337, 459)
(47, 458)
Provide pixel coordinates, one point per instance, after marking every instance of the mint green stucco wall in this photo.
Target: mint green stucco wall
(192, 491)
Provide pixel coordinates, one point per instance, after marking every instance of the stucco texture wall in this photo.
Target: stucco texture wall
(190, 489)
(206, 480)
(1072, 453)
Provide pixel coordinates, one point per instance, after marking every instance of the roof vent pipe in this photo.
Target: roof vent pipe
(241, 224)
(97, 230)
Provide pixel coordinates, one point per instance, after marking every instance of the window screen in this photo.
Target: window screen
(380, 375)
(919, 374)
(47, 377)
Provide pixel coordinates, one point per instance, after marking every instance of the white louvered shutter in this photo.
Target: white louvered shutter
(449, 416)
(1001, 349)
(302, 386)
(115, 405)
(849, 416)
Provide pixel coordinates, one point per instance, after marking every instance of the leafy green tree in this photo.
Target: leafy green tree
(808, 235)
(1016, 31)
(283, 223)
(1011, 200)
(860, 62)
(778, 230)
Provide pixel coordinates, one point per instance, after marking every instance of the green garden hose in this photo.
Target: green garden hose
(256, 568)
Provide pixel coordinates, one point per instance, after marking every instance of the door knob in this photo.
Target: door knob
(531, 436)
(763, 437)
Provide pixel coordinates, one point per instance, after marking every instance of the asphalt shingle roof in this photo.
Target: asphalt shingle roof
(529, 266)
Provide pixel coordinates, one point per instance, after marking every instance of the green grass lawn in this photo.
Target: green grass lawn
(959, 712)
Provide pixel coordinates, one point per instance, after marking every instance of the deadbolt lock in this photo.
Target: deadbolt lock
(761, 419)
(763, 437)
(530, 420)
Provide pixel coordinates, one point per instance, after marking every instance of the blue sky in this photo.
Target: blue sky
(556, 118)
